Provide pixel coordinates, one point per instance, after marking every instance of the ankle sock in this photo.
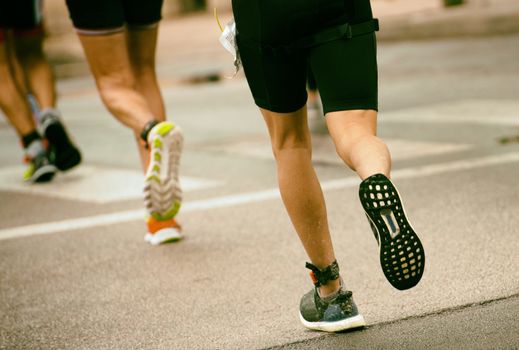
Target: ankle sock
(332, 296)
(29, 138)
(35, 147)
(50, 112)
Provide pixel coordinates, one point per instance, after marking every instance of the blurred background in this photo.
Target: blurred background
(189, 25)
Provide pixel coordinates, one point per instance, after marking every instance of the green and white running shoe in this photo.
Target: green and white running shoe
(162, 192)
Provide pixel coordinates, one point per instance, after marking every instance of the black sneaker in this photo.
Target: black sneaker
(330, 314)
(402, 255)
(39, 169)
(63, 152)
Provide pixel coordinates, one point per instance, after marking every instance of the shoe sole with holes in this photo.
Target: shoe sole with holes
(402, 256)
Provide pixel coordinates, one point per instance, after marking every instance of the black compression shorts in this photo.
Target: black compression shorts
(20, 14)
(345, 69)
(109, 14)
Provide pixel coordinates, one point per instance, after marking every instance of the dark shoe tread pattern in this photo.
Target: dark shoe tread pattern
(402, 257)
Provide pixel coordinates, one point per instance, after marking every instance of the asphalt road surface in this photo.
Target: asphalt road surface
(492, 325)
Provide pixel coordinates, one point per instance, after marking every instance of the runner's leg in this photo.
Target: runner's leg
(16, 107)
(114, 53)
(38, 72)
(277, 80)
(12, 102)
(15, 65)
(143, 42)
(109, 60)
(300, 188)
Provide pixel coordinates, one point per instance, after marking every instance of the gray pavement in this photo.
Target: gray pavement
(475, 18)
(76, 274)
(492, 325)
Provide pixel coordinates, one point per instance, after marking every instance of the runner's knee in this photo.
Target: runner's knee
(289, 140)
(113, 89)
(144, 76)
(347, 127)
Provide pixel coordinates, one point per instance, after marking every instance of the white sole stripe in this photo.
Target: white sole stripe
(337, 326)
(250, 197)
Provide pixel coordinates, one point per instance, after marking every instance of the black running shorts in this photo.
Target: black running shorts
(345, 69)
(20, 14)
(108, 14)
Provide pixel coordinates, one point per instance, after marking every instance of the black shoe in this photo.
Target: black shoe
(63, 152)
(402, 256)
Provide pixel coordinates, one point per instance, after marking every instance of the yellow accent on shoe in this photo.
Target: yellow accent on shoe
(156, 168)
(157, 143)
(164, 127)
(28, 172)
(169, 214)
(154, 178)
(157, 157)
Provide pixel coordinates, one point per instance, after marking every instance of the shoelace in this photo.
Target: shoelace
(344, 299)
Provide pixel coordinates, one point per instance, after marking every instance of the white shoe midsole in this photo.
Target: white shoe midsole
(348, 323)
(162, 236)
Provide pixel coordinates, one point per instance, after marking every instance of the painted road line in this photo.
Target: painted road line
(92, 184)
(431, 169)
(250, 197)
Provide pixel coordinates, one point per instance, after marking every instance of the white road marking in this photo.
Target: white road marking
(93, 184)
(251, 197)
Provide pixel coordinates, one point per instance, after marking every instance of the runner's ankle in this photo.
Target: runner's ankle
(330, 288)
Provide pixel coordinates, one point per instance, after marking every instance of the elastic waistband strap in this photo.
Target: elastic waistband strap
(343, 31)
